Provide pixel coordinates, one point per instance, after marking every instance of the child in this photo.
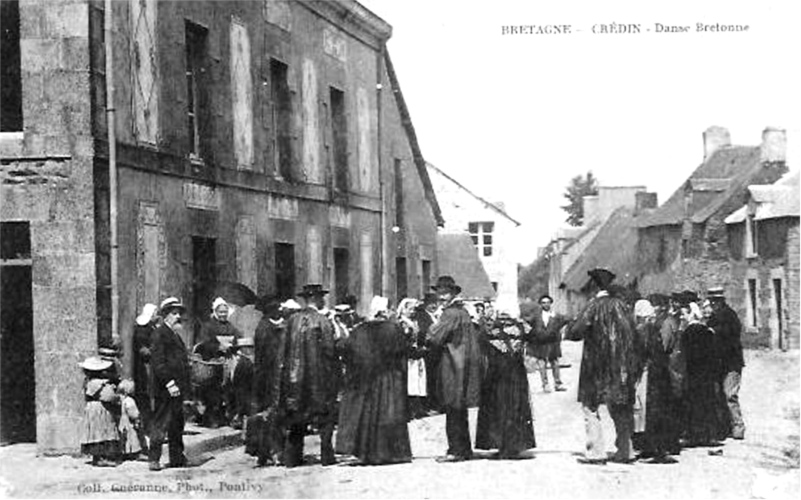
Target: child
(100, 438)
(130, 428)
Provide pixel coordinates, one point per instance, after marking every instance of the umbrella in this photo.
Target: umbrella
(235, 293)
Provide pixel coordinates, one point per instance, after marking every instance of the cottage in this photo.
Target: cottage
(763, 245)
(684, 244)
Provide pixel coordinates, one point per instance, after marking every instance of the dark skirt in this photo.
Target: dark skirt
(373, 420)
(705, 423)
(663, 412)
(504, 416)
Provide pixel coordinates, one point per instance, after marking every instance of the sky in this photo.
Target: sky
(515, 117)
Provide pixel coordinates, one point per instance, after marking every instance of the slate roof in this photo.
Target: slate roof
(780, 199)
(457, 257)
(726, 172)
(614, 247)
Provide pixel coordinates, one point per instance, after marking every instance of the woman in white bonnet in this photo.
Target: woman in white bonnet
(146, 322)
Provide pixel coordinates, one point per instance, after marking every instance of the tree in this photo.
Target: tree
(580, 186)
(532, 280)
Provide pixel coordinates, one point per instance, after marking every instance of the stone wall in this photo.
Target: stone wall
(47, 180)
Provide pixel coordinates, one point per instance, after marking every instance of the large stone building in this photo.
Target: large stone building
(493, 230)
(684, 244)
(261, 142)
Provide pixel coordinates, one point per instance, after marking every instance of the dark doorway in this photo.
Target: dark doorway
(17, 375)
(341, 274)
(426, 278)
(285, 270)
(204, 277)
(401, 279)
(777, 294)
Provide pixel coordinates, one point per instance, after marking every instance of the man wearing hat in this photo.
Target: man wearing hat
(728, 329)
(609, 367)
(170, 366)
(310, 377)
(459, 368)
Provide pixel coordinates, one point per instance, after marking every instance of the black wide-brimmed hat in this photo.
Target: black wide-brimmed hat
(269, 304)
(690, 296)
(430, 298)
(601, 277)
(447, 283)
(659, 299)
(312, 290)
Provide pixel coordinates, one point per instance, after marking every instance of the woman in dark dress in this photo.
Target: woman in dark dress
(704, 426)
(504, 415)
(373, 412)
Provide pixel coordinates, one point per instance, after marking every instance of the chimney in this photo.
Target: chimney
(714, 139)
(644, 200)
(774, 145)
(590, 208)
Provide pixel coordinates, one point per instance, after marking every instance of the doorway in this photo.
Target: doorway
(777, 296)
(204, 277)
(285, 270)
(341, 274)
(17, 375)
(401, 279)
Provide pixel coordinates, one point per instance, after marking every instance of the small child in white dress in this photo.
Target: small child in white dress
(129, 426)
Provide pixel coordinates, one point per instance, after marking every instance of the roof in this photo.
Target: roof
(474, 195)
(457, 257)
(408, 126)
(614, 247)
(725, 173)
(780, 199)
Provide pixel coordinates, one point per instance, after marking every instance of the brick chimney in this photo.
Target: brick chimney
(774, 145)
(644, 200)
(715, 138)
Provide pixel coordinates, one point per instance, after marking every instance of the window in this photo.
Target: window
(752, 302)
(282, 118)
(284, 270)
(750, 236)
(401, 279)
(10, 75)
(195, 67)
(481, 234)
(399, 219)
(339, 136)
(15, 240)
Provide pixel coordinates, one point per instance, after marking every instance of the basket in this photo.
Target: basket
(205, 373)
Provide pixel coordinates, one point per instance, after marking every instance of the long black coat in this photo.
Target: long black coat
(728, 329)
(609, 362)
(169, 361)
(142, 338)
(460, 365)
(545, 341)
(269, 361)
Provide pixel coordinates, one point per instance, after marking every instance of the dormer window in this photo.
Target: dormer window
(750, 236)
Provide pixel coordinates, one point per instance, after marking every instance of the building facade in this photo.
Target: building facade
(259, 142)
(684, 244)
(764, 245)
(493, 231)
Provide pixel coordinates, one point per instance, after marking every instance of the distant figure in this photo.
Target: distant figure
(373, 414)
(608, 369)
(728, 329)
(459, 370)
(545, 341)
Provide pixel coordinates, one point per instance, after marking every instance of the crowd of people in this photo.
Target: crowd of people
(666, 367)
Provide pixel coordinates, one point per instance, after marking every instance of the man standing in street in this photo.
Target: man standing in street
(459, 368)
(170, 364)
(545, 342)
(608, 369)
(727, 328)
(310, 378)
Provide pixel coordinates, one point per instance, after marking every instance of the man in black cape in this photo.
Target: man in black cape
(459, 369)
(609, 367)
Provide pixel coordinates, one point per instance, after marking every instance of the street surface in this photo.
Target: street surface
(764, 465)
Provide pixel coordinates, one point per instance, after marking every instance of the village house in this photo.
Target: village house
(491, 228)
(684, 244)
(259, 142)
(575, 250)
(764, 245)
